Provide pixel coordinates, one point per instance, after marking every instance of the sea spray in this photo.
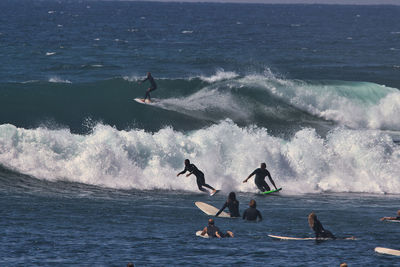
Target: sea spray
(344, 161)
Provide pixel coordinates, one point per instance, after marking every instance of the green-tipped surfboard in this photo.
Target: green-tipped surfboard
(271, 191)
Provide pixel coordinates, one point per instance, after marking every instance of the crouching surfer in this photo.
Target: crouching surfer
(213, 231)
(319, 230)
(192, 169)
(260, 182)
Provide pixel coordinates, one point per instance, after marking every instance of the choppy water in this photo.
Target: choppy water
(89, 176)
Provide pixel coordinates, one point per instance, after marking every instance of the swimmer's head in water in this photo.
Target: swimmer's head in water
(253, 203)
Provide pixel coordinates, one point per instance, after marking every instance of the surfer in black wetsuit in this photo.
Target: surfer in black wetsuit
(397, 218)
(191, 168)
(319, 230)
(233, 205)
(261, 173)
(252, 213)
(153, 86)
(213, 231)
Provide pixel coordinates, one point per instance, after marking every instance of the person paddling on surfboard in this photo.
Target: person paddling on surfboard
(252, 213)
(213, 231)
(153, 86)
(191, 168)
(392, 218)
(260, 182)
(233, 205)
(319, 230)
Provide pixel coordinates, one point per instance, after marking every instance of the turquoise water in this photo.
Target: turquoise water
(88, 176)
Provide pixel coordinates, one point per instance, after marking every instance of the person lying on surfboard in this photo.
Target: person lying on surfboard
(153, 86)
(392, 218)
(213, 231)
(252, 213)
(191, 168)
(319, 230)
(260, 182)
(233, 205)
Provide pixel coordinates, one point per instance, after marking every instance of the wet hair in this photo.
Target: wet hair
(398, 212)
(253, 203)
(232, 196)
(130, 264)
(311, 219)
(210, 222)
(187, 161)
(263, 165)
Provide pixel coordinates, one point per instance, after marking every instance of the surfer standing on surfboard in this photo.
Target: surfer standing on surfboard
(191, 168)
(260, 182)
(153, 86)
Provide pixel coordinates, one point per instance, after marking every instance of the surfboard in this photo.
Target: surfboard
(388, 251)
(210, 210)
(198, 233)
(392, 221)
(140, 101)
(211, 194)
(271, 191)
(305, 238)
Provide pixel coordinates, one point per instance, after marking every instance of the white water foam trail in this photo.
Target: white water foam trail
(354, 104)
(344, 161)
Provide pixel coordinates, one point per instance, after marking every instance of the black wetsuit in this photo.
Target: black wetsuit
(233, 207)
(260, 179)
(153, 86)
(199, 177)
(251, 214)
(212, 230)
(320, 232)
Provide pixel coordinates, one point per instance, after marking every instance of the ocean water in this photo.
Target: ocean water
(88, 176)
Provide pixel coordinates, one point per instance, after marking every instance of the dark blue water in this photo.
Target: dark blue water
(88, 176)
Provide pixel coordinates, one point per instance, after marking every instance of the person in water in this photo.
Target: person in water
(233, 205)
(252, 213)
(319, 230)
(397, 218)
(191, 168)
(260, 182)
(153, 86)
(213, 231)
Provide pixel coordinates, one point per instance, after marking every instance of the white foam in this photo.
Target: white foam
(354, 104)
(345, 161)
(58, 80)
(50, 53)
(220, 75)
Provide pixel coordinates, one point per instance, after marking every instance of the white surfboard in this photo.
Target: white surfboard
(147, 101)
(392, 221)
(388, 251)
(291, 238)
(305, 238)
(211, 210)
(198, 233)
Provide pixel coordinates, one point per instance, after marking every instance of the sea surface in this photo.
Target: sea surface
(88, 176)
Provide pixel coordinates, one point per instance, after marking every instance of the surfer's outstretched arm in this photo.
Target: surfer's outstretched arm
(245, 180)
(272, 181)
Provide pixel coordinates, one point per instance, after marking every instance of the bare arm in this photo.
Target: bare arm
(388, 218)
(204, 231)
